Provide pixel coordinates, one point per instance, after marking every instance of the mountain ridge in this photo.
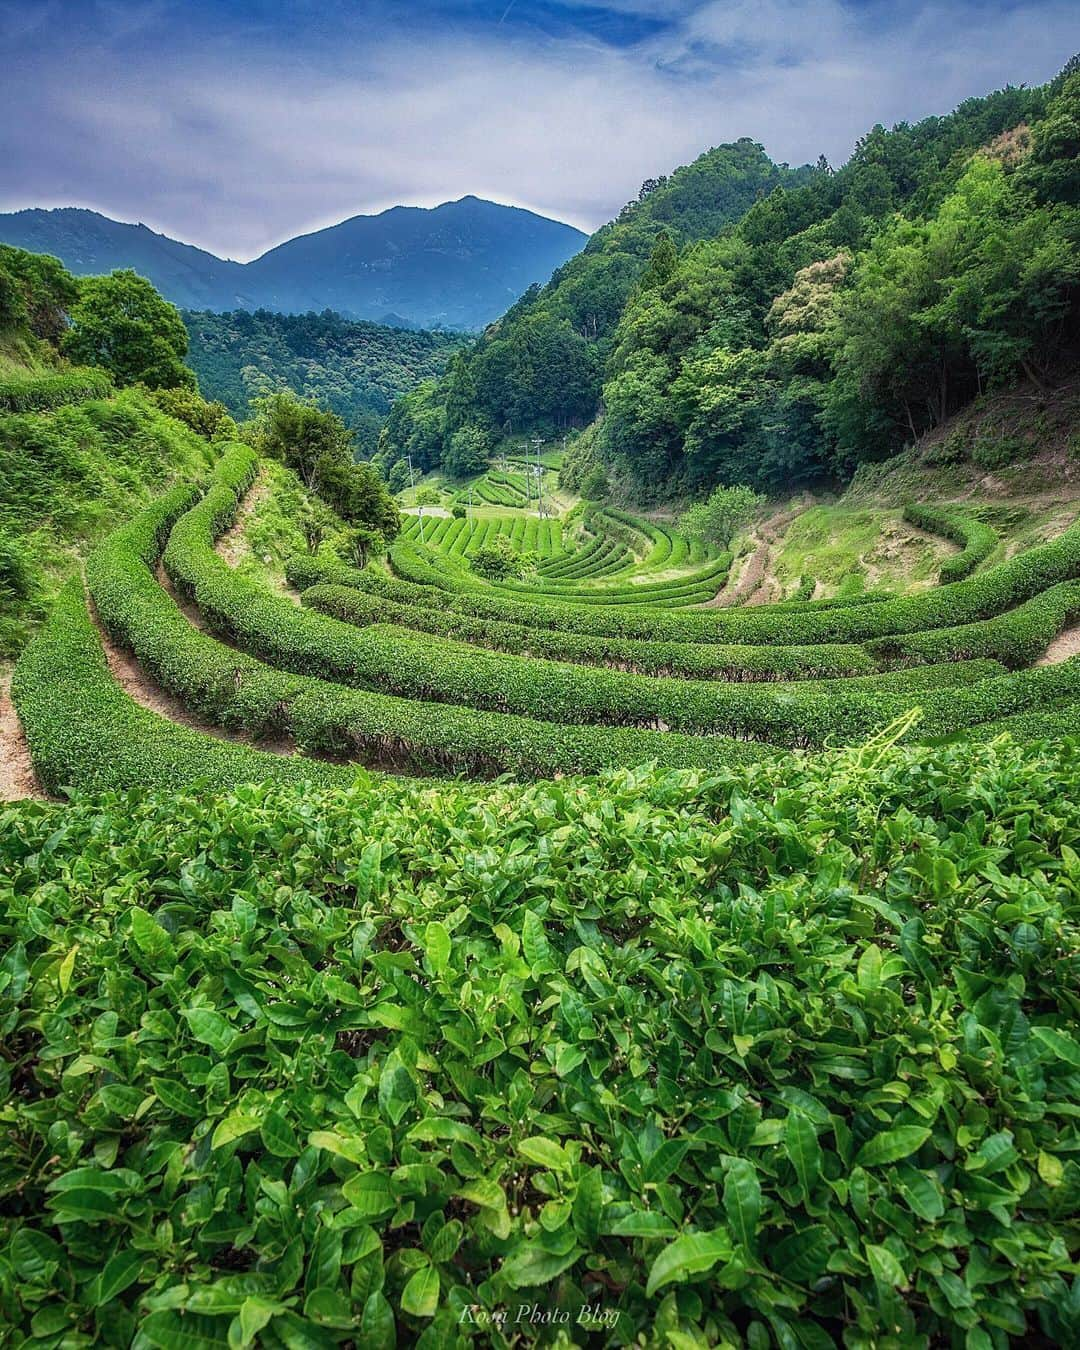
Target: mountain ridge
(455, 265)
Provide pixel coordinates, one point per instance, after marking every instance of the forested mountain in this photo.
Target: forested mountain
(354, 367)
(837, 315)
(543, 361)
(457, 265)
(90, 244)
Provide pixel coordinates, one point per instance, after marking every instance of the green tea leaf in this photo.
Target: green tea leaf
(437, 946)
(742, 1200)
(234, 1127)
(892, 1145)
(690, 1255)
(588, 1207)
(177, 1098)
(210, 1028)
(533, 1264)
(420, 1297)
(278, 1136)
(803, 1150)
(544, 1152)
(1061, 1046)
(121, 1270)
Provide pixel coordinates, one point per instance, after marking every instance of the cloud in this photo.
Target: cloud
(234, 128)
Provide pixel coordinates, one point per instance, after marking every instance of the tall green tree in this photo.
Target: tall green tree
(121, 323)
(316, 444)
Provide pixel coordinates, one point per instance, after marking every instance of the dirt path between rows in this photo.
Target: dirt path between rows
(148, 694)
(17, 781)
(232, 545)
(1065, 646)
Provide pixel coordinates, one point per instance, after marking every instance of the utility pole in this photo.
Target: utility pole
(420, 509)
(537, 443)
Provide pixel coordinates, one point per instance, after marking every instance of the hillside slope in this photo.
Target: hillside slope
(77, 454)
(457, 265)
(832, 317)
(354, 367)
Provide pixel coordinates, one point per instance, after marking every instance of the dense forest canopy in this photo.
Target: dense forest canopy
(743, 322)
(353, 367)
(543, 362)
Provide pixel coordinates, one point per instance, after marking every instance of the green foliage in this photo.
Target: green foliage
(209, 419)
(120, 323)
(317, 445)
(71, 474)
(36, 292)
(354, 368)
(500, 559)
(726, 511)
(467, 452)
(396, 1055)
(1052, 171)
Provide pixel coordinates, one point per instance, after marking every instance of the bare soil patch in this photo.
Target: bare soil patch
(147, 693)
(754, 586)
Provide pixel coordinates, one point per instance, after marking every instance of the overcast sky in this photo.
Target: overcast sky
(234, 125)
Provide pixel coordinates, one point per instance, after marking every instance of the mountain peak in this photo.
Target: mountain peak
(455, 265)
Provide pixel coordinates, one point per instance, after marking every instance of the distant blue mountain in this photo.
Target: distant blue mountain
(458, 265)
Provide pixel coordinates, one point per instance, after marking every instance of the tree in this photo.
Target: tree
(301, 434)
(359, 543)
(398, 476)
(123, 325)
(427, 496)
(717, 519)
(467, 452)
(316, 444)
(37, 291)
(500, 559)
(594, 486)
(1052, 172)
(662, 262)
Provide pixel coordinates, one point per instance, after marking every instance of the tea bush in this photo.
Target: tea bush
(785, 1056)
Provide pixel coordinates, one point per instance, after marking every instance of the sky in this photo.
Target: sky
(235, 124)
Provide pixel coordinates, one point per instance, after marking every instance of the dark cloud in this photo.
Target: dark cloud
(236, 125)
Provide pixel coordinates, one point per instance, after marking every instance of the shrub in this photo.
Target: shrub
(977, 541)
(498, 560)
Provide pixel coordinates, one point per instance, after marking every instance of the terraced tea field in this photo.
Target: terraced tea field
(611, 653)
(767, 1035)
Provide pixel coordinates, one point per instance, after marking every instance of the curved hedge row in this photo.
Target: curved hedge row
(976, 539)
(399, 664)
(982, 596)
(1016, 638)
(236, 690)
(85, 732)
(691, 660)
(39, 393)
